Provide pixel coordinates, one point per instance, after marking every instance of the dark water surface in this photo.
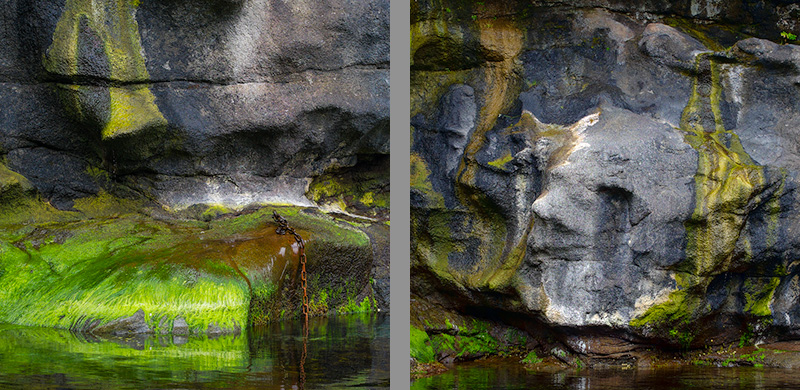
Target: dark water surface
(509, 374)
(340, 352)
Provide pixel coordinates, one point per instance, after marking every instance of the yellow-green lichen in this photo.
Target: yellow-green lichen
(679, 308)
(131, 109)
(758, 293)
(14, 188)
(9, 178)
(488, 227)
(501, 162)
(474, 248)
(708, 34)
(106, 205)
(368, 198)
(420, 181)
(214, 211)
(433, 243)
(726, 182)
(113, 22)
(99, 175)
(428, 87)
(361, 190)
(504, 275)
(438, 33)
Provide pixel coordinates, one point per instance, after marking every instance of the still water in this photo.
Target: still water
(509, 374)
(340, 352)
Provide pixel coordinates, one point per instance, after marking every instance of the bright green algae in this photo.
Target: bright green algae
(60, 270)
(111, 268)
(420, 346)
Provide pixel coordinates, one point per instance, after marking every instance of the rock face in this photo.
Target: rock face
(141, 141)
(628, 173)
(192, 102)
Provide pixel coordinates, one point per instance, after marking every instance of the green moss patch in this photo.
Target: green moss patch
(531, 358)
(86, 268)
(14, 188)
(110, 268)
(362, 189)
(758, 293)
(467, 344)
(420, 346)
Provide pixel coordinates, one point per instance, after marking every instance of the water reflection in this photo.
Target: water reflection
(509, 374)
(342, 351)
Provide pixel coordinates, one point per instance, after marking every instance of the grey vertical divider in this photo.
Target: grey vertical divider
(400, 80)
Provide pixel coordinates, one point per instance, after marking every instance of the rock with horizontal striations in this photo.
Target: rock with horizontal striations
(192, 102)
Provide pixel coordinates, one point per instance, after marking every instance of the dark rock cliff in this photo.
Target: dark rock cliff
(138, 141)
(609, 175)
(192, 102)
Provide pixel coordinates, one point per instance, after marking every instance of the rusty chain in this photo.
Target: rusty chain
(284, 228)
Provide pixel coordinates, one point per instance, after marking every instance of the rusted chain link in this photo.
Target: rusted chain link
(284, 228)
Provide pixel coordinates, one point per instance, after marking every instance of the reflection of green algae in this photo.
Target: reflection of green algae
(261, 356)
(57, 350)
(112, 23)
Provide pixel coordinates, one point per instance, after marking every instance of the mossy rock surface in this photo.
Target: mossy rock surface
(361, 190)
(64, 270)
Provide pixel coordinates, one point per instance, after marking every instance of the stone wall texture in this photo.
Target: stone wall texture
(620, 174)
